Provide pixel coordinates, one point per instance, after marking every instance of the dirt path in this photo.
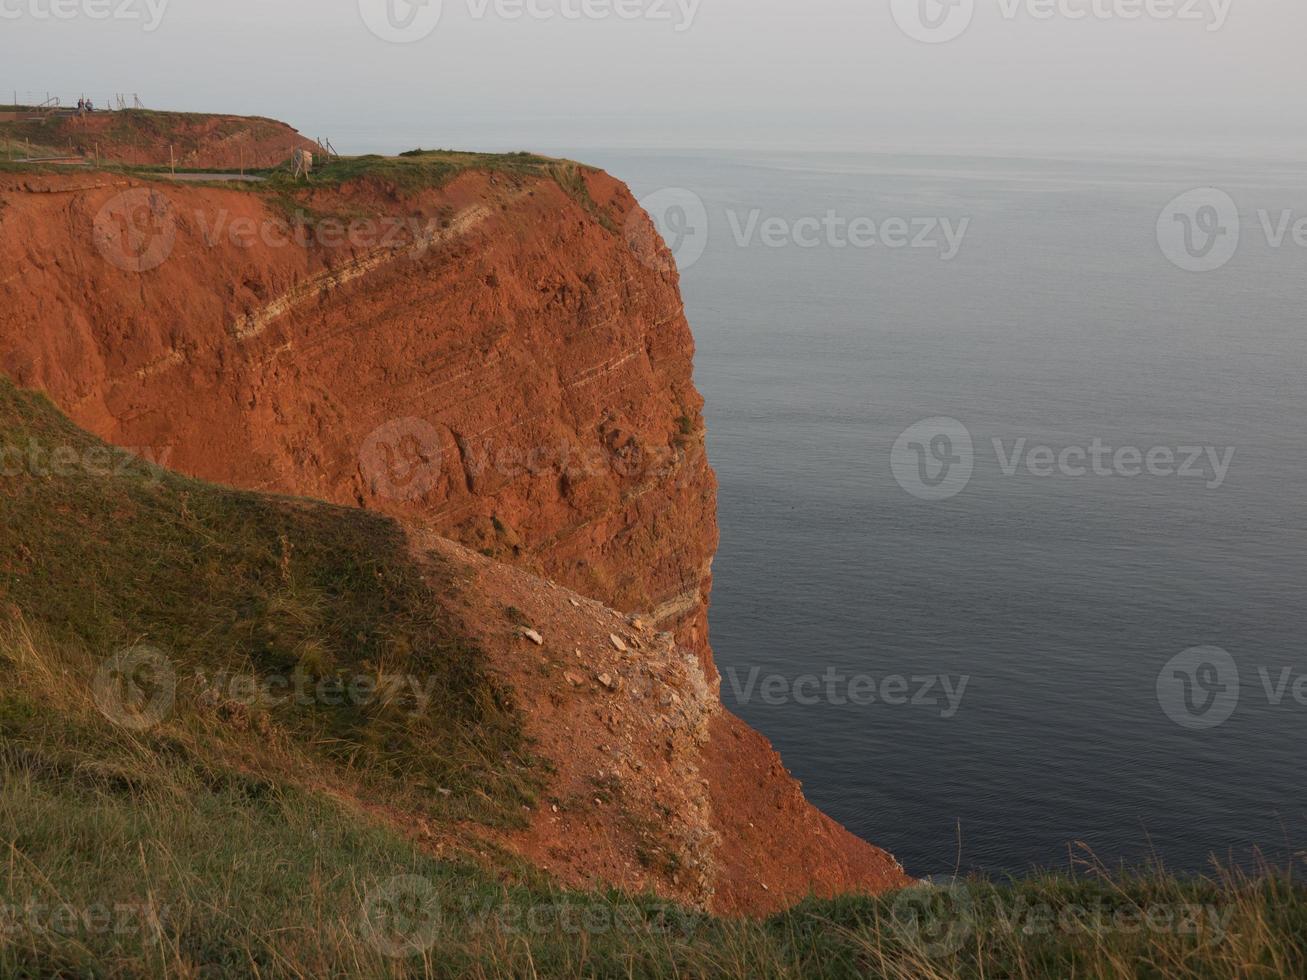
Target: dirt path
(217, 178)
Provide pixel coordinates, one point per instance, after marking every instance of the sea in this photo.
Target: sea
(1074, 632)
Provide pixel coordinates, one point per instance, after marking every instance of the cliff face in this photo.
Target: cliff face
(503, 361)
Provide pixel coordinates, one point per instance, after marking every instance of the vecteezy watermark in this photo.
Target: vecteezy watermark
(940, 920)
(1201, 688)
(61, 462)
(406, 692)
(941, 692)
(940, 21)
(939, 235)
(681, 218)
(679, 14)
(357, 234)
(136, 230)
(566, 917)
(139, 689)
(409, 21)
(935, 459)
(1201, 230)
(933, 21)
(136, 688)
(61, 920)
(936, 920)
(402, 916)
(571, 460)
(149, 12)
(401, 460)
(401, 21)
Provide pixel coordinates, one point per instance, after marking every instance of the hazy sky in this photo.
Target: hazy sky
(1054, 76)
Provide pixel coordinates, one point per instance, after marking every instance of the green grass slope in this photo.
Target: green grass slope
(324, 607)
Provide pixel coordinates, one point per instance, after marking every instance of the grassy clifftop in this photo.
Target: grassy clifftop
(147, 137)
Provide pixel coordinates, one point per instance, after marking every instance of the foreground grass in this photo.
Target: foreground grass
(127, 855)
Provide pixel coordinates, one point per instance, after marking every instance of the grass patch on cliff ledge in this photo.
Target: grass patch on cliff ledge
(416, 170)
(419, 169)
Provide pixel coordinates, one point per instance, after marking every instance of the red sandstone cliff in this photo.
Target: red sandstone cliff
(504, 361)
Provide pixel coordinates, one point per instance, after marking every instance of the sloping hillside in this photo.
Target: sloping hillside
(105, 552)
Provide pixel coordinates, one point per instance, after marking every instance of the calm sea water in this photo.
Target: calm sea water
(1059, 598)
